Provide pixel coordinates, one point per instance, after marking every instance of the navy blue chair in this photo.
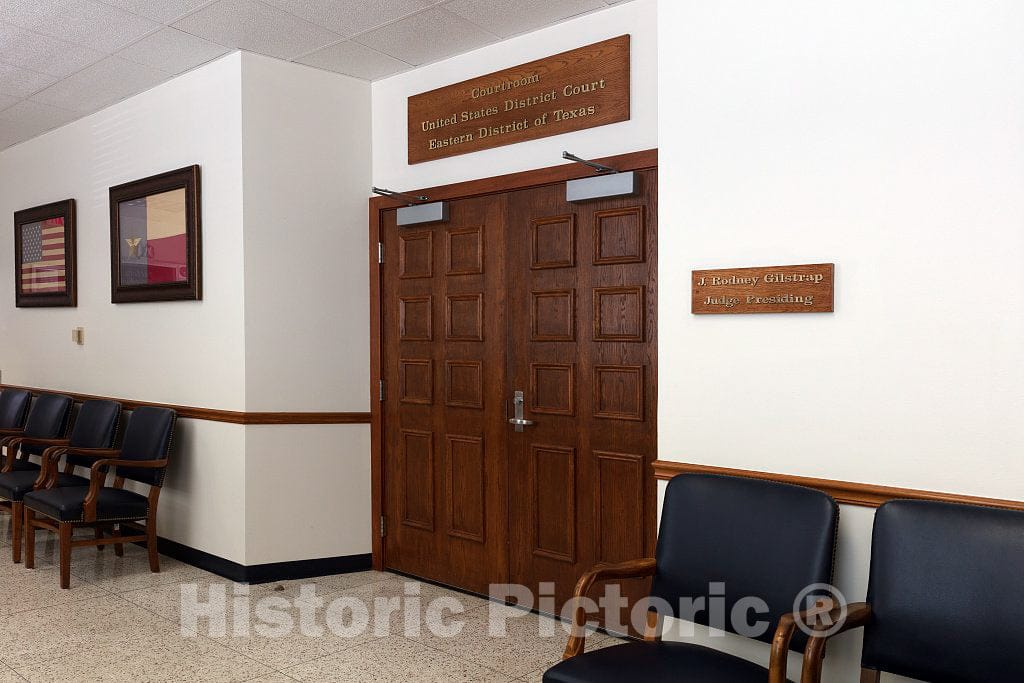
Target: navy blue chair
(753, 538)
(47, 425)
(95, 428)
(142, 458)
(945, 596)
(14, 405)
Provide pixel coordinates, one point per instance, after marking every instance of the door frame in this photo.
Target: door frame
(631, 161)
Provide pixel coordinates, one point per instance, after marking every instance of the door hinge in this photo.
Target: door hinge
(382, 391)
(383, 526)
(380, 252)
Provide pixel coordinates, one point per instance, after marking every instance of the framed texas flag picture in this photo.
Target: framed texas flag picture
(155, 231)
(44, 256)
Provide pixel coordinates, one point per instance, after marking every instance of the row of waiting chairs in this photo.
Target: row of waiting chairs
(37, 433)
(945, 597)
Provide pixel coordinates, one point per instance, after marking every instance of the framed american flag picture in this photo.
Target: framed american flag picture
(155, 238)
(44, 256)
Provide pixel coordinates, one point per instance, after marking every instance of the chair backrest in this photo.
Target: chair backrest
(95, 427)
(147, 437)
(48, 419)
(731, 538)
(946, 593)
(13, 408)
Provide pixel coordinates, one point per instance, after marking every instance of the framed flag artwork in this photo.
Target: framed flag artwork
(44, 256)
(155, 231)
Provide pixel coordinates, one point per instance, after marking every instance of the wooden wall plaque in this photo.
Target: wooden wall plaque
(772, 289)
(573, 90)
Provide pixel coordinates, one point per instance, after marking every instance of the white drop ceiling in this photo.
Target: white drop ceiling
(63, 59)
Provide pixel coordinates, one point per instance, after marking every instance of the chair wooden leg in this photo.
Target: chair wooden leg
(65, 554)
(655, 623)
(17, 524)
(99, 537)
(118, 547)
(30, 541)
(151, 545)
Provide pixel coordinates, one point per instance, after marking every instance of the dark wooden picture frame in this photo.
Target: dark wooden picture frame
(189, 288)
(69, 297)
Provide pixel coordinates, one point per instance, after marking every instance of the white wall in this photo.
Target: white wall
(177, 352)
(885, 137)
(308, 492)
(146, 351)
(283, 325)
(307, 343)
(390, 95)
(307, 178)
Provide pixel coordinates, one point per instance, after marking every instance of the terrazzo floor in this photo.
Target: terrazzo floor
(120, 622)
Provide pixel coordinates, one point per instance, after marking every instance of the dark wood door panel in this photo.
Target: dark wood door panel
(583, 349)
(443, 323)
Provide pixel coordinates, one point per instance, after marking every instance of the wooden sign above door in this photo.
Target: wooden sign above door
(573, 90)
(775, 289)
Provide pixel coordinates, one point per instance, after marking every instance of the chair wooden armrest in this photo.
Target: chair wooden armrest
(48, 467)
(13, 445)
(48, 476)
(98, 476)
(33, 441)
(858, 615)
(94, 452)
(623, 570)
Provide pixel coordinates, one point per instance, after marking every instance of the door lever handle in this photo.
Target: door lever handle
(519, 420)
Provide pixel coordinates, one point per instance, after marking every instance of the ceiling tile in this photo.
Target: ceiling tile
(511, 18)
(256, 27)
(7, 100)
(164, 11)
(352, 16)
(427, 37)
(100, 85)
(355, 60)
(18, 82)
(43, 54)
(27, 119)
(84, 22)
(172, 51)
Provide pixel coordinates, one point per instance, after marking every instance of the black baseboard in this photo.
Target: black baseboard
(264, 573)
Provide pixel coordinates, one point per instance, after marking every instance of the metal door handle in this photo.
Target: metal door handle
(519, 421)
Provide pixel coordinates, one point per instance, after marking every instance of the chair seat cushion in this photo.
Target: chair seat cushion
(67, 504)
(14, 485)
(659, 662)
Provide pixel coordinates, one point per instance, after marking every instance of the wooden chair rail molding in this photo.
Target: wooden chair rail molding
(849, 493)
(213, 415)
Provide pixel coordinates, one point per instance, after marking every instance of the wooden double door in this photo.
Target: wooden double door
(520, 297)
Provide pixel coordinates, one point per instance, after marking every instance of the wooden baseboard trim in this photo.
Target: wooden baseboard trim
(214, 415)
(849, 493)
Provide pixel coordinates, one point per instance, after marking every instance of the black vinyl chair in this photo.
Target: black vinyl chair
(95, 428)
(751, 538)
(47, 424)
(142, 458)
(945, 596)
(14, 405)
